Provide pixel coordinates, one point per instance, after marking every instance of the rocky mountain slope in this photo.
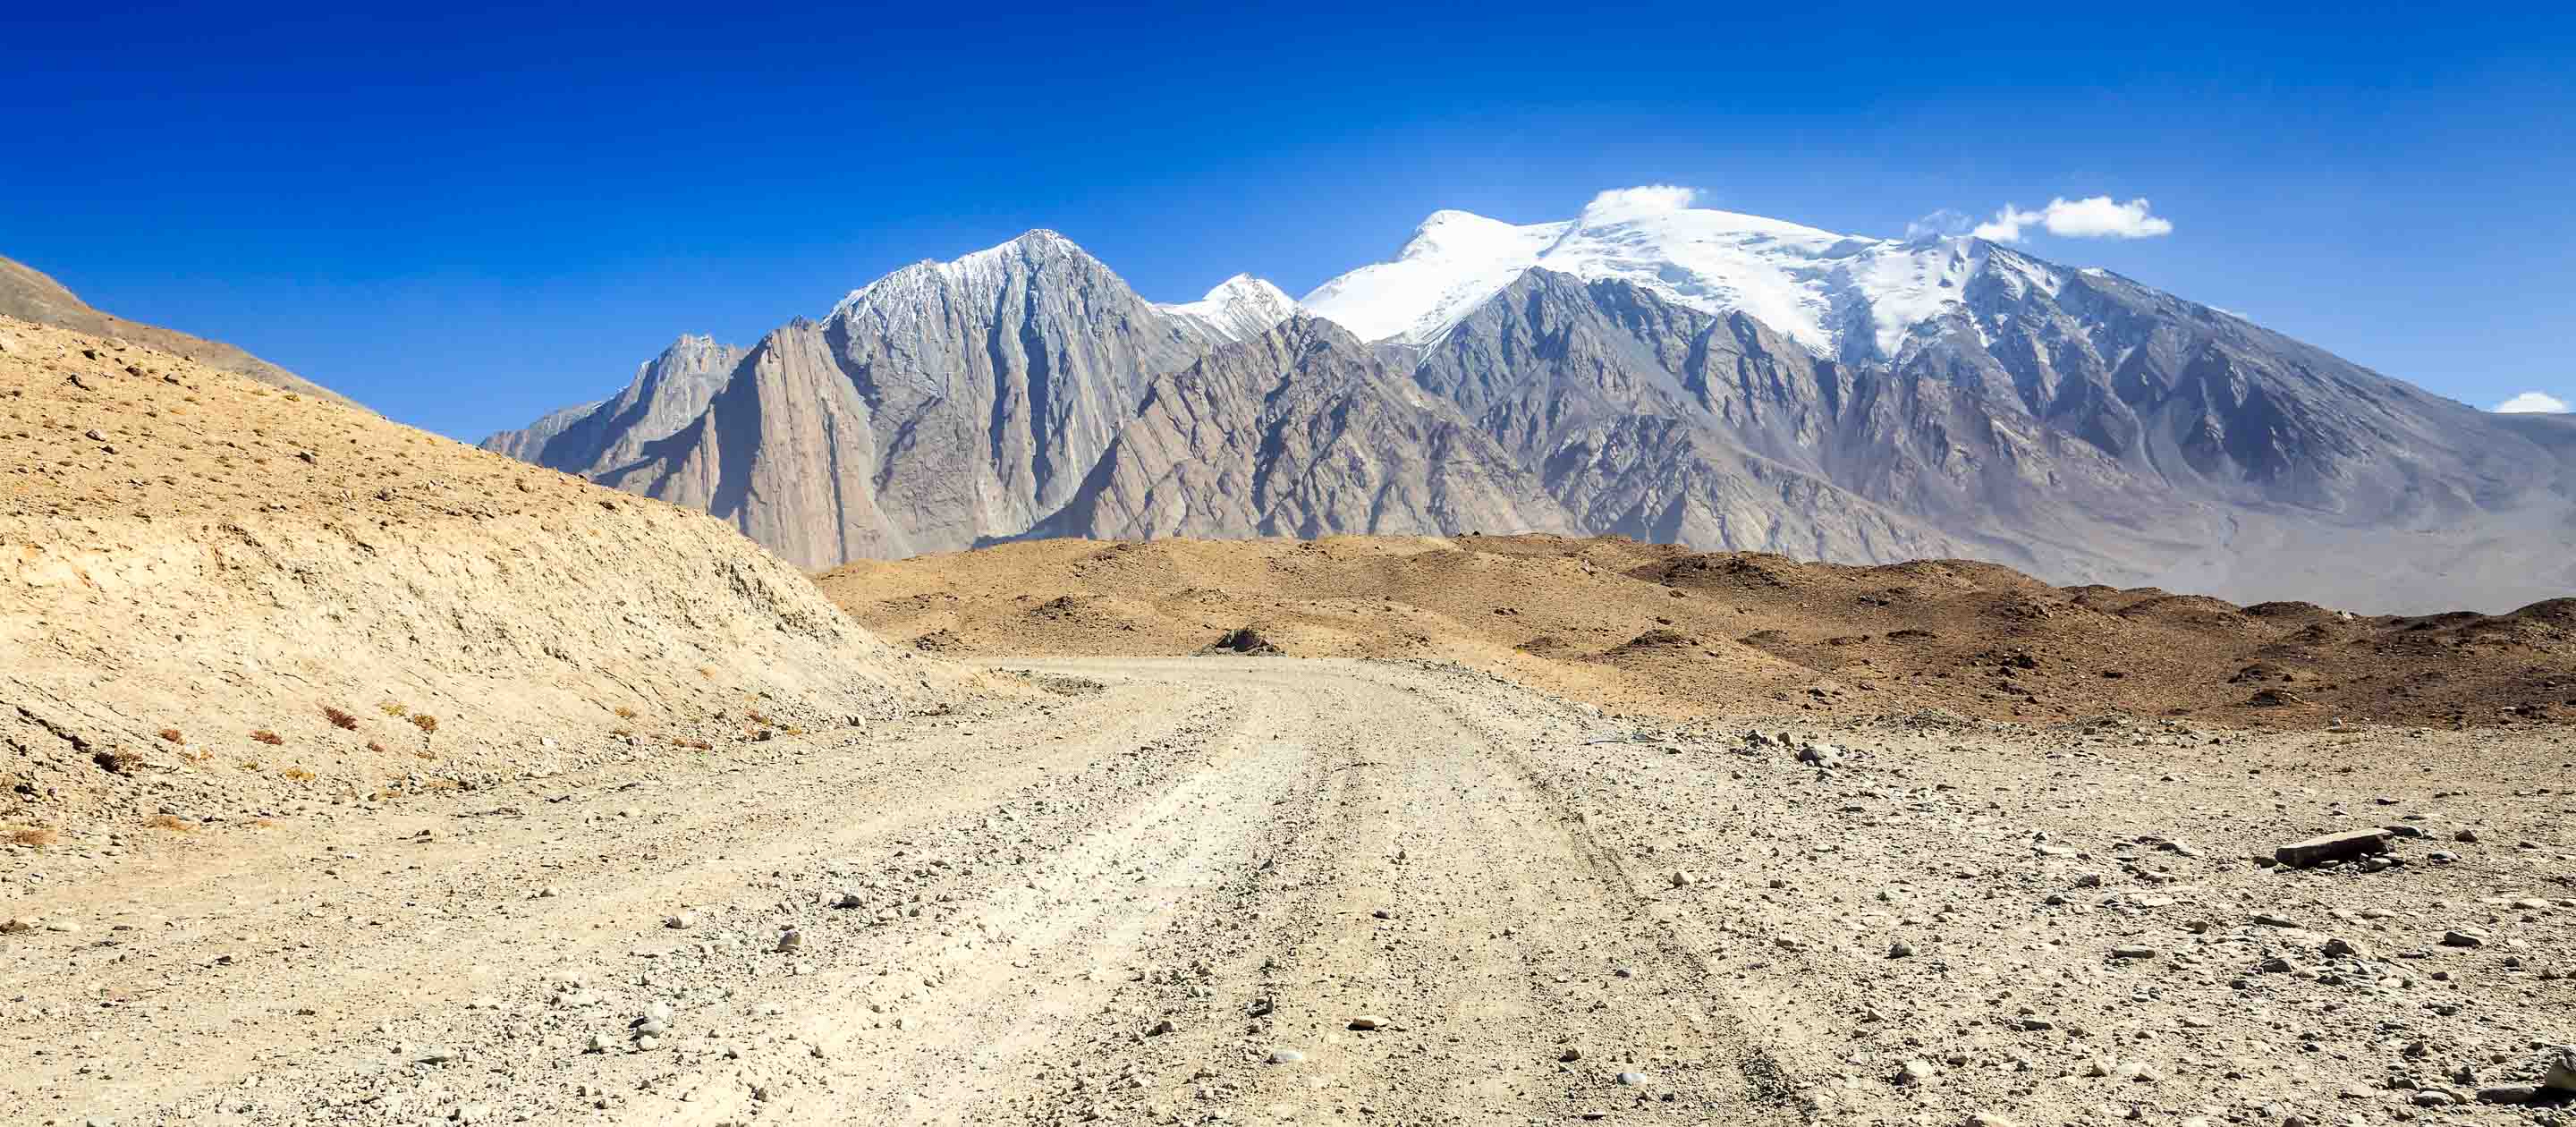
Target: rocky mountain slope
(29, 295)
(1661, 372)
(226, 602)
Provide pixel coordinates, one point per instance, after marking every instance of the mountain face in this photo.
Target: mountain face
(29, 295)
(1671, 374)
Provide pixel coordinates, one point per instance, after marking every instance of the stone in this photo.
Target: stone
(1900, 950)
(2562, 1072)
(2340, 947)
(2465, 937)
(1632, 1080)
(1367, 1022)
(2508, 1094)
(1570, 1055)
(679, 922)
(2332, 847)
(790, 940)
(2133, 952)
(1286, 1056)
(1915, 1072)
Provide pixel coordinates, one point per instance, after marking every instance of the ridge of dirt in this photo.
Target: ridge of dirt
(225, 602)
(1666, 630)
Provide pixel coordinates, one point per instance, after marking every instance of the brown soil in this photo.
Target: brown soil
(1666, 630)
(224, 601)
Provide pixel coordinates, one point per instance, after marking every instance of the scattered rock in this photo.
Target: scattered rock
(2332, 847)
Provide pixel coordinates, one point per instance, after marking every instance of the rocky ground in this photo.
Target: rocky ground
(1661, 628)
(1254, 890)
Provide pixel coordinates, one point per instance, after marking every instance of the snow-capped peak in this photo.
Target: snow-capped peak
(1835, 294)
(1238, 308)
(983, 265)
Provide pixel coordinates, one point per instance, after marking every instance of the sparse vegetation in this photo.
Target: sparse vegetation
(32, 836)
(376, 746)
(392, 708)
(270, 738)
(625, 712)
(296, 775)
(170, 822)
(172, 735)
(425, 722)
(339, 718)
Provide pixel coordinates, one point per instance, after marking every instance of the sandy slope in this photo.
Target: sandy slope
(1683, 633)
(1116, 902)
(197, 571)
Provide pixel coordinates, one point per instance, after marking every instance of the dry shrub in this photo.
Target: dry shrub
(270, 738)
(172, 735)
(296, 774)
(757, 718)
(170, 822)
(376, 746)
(625, 713)
(32, 836)
(622, 733)
(424, 753)
(340, 719)
(392, 709)
(699, 745)
(425, 722)
(263, 823)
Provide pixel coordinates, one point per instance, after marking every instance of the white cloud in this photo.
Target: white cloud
(2100, 217)
(1621, 204)
(2534, 403)
(1942, 222)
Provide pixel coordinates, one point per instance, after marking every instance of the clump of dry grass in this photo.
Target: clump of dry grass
(340, 719)
(32, 836)
(270, 738)
(296, 774)
(376, 746)
(172, 735)
(393, 708)
(116, 761)
(625, 712)
(425, 722)
(170, 822)
(622, 733)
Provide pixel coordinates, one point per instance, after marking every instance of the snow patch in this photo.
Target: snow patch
(1239, 308)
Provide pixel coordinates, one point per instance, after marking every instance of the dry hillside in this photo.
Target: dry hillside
(1667, 630)
(219, 599)
(30, 295)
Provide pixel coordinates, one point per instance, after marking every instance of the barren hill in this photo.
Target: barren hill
(30, 295)
(221, 599)
(1669, 630)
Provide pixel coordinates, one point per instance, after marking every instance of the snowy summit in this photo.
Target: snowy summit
(1839, 295)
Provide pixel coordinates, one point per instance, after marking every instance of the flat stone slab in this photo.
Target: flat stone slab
(2332, 847)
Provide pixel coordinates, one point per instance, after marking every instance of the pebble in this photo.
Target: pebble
(1368, 1022)
(1632, 1079)
(2133, 952)
(1286, 1056)
(1915, 1072)
(679, 922)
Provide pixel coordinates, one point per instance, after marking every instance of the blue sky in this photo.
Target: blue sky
(464, 218)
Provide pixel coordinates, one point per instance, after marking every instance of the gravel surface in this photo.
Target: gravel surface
(1321, 891)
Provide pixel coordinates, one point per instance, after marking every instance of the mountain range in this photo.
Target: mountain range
(1669, 373)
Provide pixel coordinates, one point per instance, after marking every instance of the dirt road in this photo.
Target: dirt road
(1252, 890)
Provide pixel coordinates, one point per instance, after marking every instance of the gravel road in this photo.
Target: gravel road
(1258, 890)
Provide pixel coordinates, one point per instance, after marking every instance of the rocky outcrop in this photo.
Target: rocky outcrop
(1301, 431)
